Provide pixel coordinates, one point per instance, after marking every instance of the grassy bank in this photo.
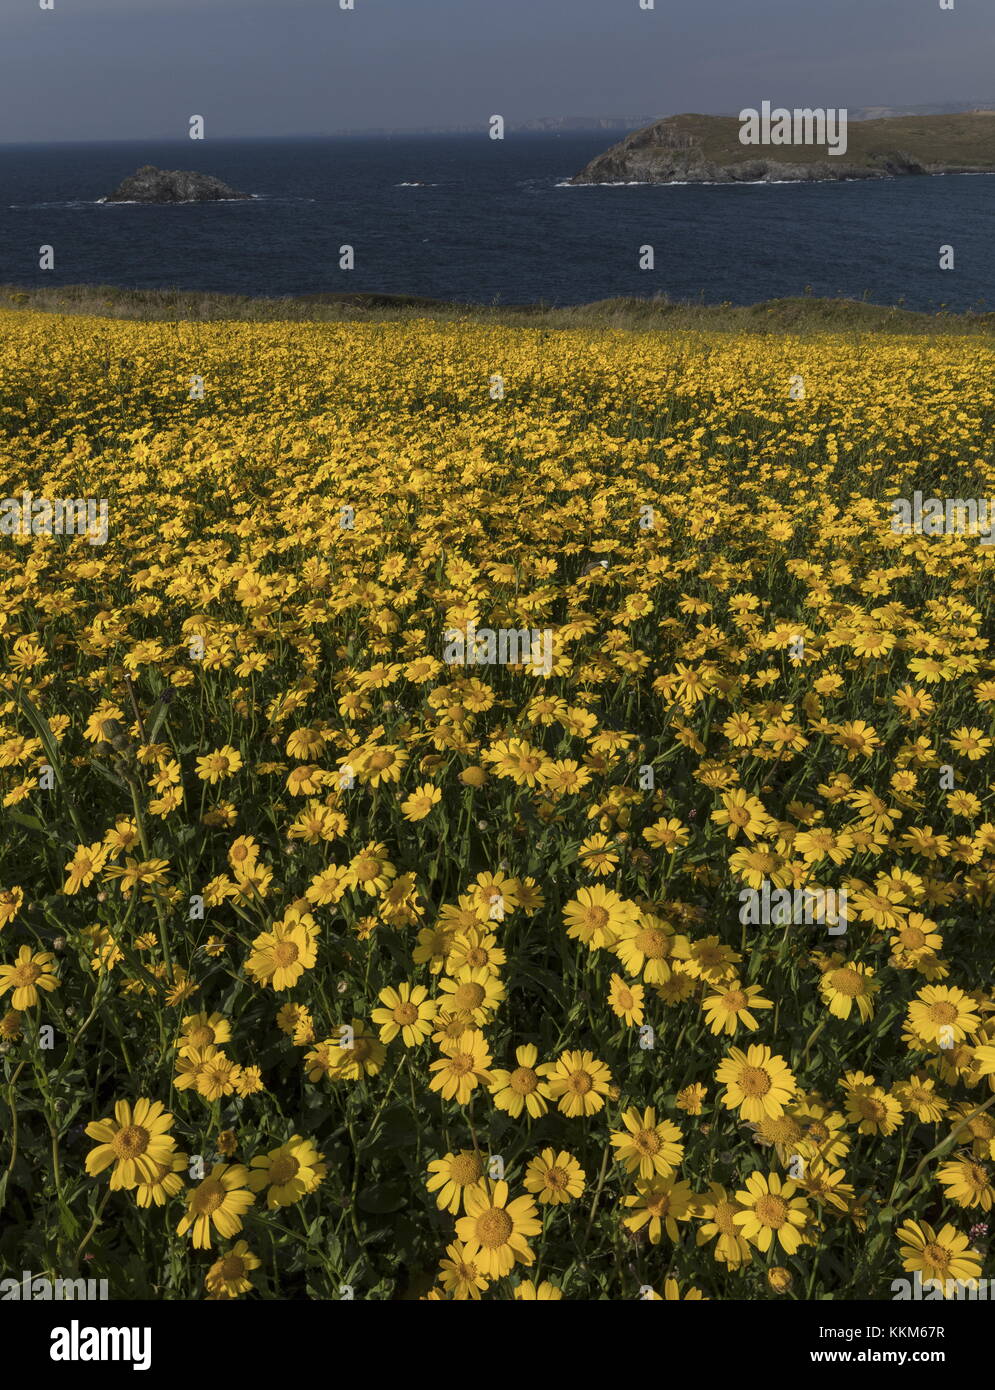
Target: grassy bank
(802, 314)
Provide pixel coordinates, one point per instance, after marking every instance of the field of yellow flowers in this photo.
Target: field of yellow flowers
(333, 968)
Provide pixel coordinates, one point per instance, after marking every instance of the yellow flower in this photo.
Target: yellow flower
(524, 1087)
(733, 1005)
(137, 1143)
(462, 1068)
(494, 1230)
(354, 1054)
(690, 1099)
(967, 1183)
(849, 984)
(626, 1000)
(31, 971)
(223, 762)
(84, 865)
(555, 1178)
(460, 1276)
(943, 1255)
(718, 1210)
(544, 1291)
(659, 1203)
(647, 1146)
(217, 1204)
(474, 992)
(407, 1010)
(579, 1082)
(771, 1211)
(280, 957)
(228, 1277)
(419, 804)
(596, 916)
(287, 1173)
(449, 1178)
(203, 1030)
(11, 902)
(757, 1082)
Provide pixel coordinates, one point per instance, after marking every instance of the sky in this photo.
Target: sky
(139, 69)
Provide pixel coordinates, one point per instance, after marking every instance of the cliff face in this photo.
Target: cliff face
(152, 185)
(707, 149)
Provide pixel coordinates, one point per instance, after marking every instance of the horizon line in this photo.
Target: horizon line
(524, 127)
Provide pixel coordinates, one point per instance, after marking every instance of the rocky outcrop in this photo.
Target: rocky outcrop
(707, 149)
(152, 185)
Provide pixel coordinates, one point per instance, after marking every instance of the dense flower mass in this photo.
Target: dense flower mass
(301, 910)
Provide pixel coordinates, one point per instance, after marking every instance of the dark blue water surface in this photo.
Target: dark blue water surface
(495, 224)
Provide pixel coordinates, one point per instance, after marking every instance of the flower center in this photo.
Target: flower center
(523, 1080)
(209, 1196)
(282, 1169)
(130, 1142)
(653, 944)
(754, 1081)
(937, 1256)
(771, 1210)
(465, 1169)
(405, 1013)
(943, 1012)
(647, 1142)
(724, 1213)
(494, 1227)
(285, 953)
(469, 996)
(579, 1082)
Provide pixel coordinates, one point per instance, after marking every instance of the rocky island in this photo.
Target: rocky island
(707, 149)
(152, 185)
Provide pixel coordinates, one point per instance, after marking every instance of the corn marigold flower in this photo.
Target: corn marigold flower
(228, 1277)
(32, 971)
(658, 1204)
(758, 1083)
(137, 1142)
(218, 1203)
(288, 1172)
(494, 1229)
(554, 1178)
(579, 1083)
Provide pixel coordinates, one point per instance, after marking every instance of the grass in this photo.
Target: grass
(799, 314)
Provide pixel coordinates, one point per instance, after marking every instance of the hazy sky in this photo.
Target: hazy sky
(122, 69)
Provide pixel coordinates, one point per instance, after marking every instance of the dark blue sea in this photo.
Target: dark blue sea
(491, 223)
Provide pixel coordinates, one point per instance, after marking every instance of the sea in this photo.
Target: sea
(480, 221)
